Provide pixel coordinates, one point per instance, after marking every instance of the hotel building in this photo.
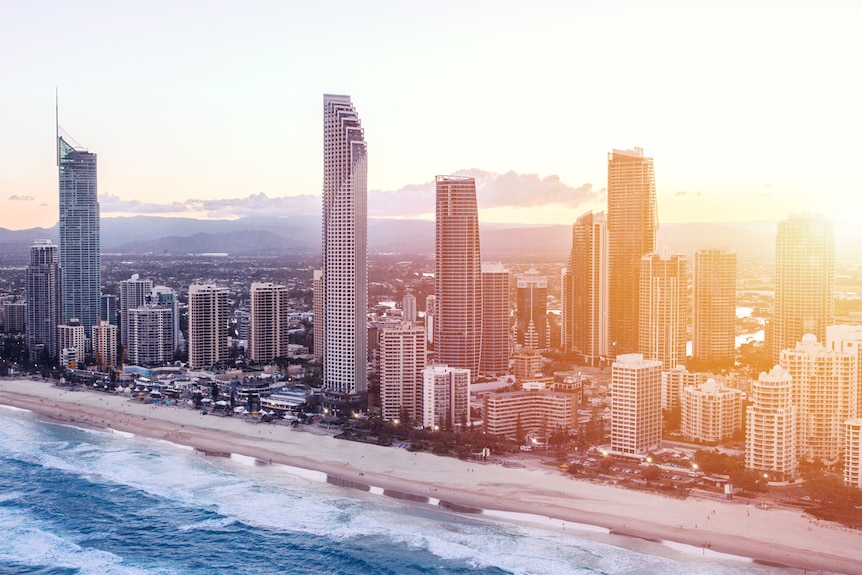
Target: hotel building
(714, 307)
(494, 357)
(208, 325)
(134, 292)
(636, 404)
(151, 335)
(710, 413)
(104, 337)
(537, 412)
(402, 360)
(663, 309)
(770, 426)
(268, 336)
(44, 300)
(445, 397)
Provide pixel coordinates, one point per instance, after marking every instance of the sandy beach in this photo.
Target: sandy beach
(778, 536)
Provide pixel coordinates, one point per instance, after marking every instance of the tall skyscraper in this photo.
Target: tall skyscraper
(345, 239)
(458, 277)
(402, 359)
(663, 309)
(269, 321)
(532, 294)
(408, 308)
(166, 297)
(804, 281)
(430, 314)
(494, 356)
(636, 407)
(44, 300)
(134, 292)
(317, 303)
(770, 426)
(79, 232)
(585, 290)
(632, 225)
(714, 306)
(208, 325)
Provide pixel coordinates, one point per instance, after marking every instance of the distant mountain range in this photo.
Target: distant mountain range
(753, 241)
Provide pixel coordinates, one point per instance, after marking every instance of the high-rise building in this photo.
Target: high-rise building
(848, 338)
(714, 307)
(402, 360)
(108, 308)
(673, 381)
(494, 355)
(445, 397)
(104, 338)
(527, 365)
(15, 317)
(317, 294)
(79, 232)
(71, 341)
(164, 296)
(208, 325)
(151, 335)
(269, 321)
(824, 394)
(532, 326)
(458, 277)
(430, 314)
(632, 225)
(710, 412)
(345, 239)
(585, 290)
(853, 453)
(636, 404)
(44, 300)
(408, 308)
(804, 281)
(663, 309)
(770, 426)
(134, 292)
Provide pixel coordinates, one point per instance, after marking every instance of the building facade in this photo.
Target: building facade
(824, 383)
(44, 300)
(345, 252)
(269, 321)
(445, 397)
(208, 325)
(538, 413)
(714, 308)
(853, 453)
(104, 337)
(164, 296)
(151, 335)
(317, 288)
(494, 355)
(632, 225)
(585, 290)
(458, 277)
(134, 292)
(710, 413)
(15, 316)
(663, 309)
(71, 340)
(636, 404)
(402, 361)
(804, 281)
(408, 308)
(532, 300)
(770, 426)
(80, 256)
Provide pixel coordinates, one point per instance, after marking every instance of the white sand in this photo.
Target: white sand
(772, 535)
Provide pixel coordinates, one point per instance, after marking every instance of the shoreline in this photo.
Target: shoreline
(718, 529)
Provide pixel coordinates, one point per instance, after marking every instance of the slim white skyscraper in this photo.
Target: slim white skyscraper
(43, 300)
(345, 239)
(402, 359)
(636, 407)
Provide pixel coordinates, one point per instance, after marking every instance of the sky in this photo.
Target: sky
(214, 109)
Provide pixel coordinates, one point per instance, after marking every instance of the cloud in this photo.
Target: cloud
(492, 191)
(17, 198)
(684, 194)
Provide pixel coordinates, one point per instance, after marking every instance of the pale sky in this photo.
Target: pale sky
(751, 110)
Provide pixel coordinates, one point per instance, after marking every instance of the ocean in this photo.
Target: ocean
(75, 501)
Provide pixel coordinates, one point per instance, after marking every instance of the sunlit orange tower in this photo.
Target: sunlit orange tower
(632, 225)
(714, 317)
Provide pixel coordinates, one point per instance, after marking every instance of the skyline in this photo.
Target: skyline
(735, 103)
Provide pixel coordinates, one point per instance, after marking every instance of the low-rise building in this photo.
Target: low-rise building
(515, 413)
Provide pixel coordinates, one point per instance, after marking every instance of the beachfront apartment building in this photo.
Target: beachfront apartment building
(104, 341)
(635, 404)
(151, 335)
(208, 325)
(269, 323)
(848, 338)
(71, 339)
(402, 361)
(674, 380)
(516, 414)
(43, 286)
(134, 292)
(710, 412)
(824, 385)
(317, 308)
(770, 426)
(853, 453)
(445, 397)
(345, 252)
